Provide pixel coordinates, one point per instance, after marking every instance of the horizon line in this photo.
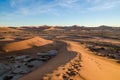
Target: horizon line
(58, 25)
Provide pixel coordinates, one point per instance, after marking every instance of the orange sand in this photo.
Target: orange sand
(93, 67)
(36, 41)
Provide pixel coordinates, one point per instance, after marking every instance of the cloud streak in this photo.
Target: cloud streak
(36, 7)
(104, 5)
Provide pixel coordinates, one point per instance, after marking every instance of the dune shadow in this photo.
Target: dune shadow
(62, 58)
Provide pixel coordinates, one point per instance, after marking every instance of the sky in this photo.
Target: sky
(59, 12)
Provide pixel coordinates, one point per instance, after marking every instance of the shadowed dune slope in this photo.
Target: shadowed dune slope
(25, 44)
(64, 56)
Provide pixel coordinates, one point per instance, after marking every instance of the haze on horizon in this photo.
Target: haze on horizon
(59, 12)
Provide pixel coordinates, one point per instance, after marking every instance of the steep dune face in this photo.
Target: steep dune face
(25, 44)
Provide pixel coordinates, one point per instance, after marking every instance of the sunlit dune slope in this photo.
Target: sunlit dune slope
(53, 29)
(8, 29)
(25, 44)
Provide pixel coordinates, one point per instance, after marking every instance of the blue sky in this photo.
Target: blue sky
(59, 12)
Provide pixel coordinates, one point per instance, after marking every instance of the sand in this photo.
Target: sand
(7, 39)
(53, 29)
(25, 44)
(51, 65)
(93, 67)
(8, 29)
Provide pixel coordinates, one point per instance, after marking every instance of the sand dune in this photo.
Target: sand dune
(8, 29)
(64, 56)
(93, 67)
(25, 44)
(7, 39)
(53, 29)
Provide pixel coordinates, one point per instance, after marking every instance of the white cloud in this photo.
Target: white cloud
(33, 7)
(29, 7)
(66, 3)
(14, 3)
(94, 1)
(104, 5)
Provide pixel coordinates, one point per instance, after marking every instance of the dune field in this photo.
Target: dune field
(62, 54)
